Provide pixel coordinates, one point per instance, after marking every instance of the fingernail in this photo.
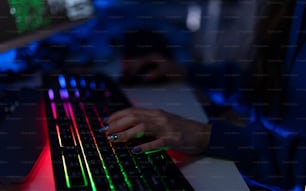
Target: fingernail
(136, 150)
(103, 129)
(112, 137)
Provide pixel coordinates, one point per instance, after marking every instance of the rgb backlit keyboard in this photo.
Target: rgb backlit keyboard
(82, 157)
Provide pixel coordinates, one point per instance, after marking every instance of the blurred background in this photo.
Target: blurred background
(195, 32)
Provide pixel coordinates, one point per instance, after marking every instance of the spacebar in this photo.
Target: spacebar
(74, 172)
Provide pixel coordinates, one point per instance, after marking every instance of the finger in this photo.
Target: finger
(129, 111)
(135, 132)
(123, 123)
(120, 114)
(131, 119)
(149, 146)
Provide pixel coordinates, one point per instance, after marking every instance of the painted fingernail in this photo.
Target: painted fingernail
(112, 137)
(103, 129)
(136, 150)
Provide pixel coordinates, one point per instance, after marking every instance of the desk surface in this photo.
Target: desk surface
(203, 173)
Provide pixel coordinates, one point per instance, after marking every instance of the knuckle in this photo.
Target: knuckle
(112, 126)
(133, 117)
(148, 146)
(159, 112)
(127, 137)
(122, 137)
(141, 127)
(151, 146)
(163, 119)
(162, 142)
(128, 111)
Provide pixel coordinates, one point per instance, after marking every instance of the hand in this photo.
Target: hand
(153, 67)
(171, 131)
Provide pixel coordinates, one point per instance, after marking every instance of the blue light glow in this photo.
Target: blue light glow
(217, 97)
(102, 3)
(254, 183)
(7, 61)
(82, 82)
(269, 187)
(298, 188)
(32, 47)
(62, 81)
(93, 85)
(102, 86)
(73, 83)
(276, 128)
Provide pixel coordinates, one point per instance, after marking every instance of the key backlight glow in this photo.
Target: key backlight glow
(62, 81)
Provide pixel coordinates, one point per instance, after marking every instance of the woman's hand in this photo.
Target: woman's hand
(171, 131)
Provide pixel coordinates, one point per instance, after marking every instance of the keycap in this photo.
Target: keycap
(73, 167)
(66, 134)
(138, 184)
(154, 180)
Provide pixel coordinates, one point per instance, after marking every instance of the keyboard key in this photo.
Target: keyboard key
(127, 163)
(66, 136)
(101, 182)
(109, 157)
(143, 162)
(60, 111)
(105, 150)
(138, 184)
(131, 172)
(113, 168)
(73, 167)
(122, 186)
(154, 180)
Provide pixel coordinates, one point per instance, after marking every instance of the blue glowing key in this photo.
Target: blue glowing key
(93, 85)
(62, 81)
(102, 86)
(83, 82)
(73, 82)
(217, 97)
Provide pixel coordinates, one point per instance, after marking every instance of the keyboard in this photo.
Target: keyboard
(77, 107)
